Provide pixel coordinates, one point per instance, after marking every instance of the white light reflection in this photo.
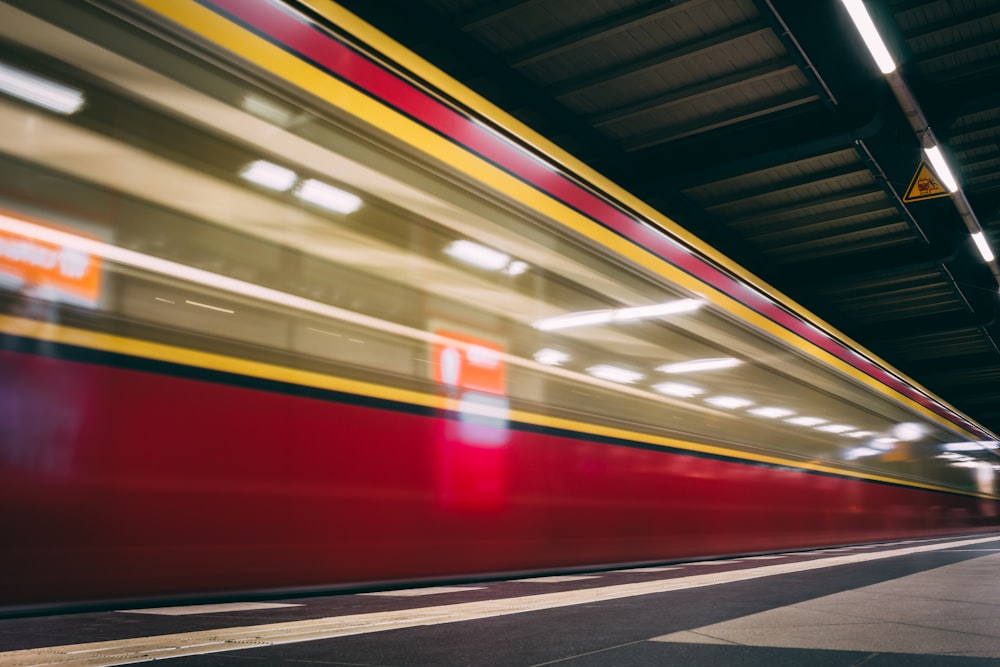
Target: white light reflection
(40, 91)
(269, 175)
(678, 389)
(696, 365)
(972, 446)
(806, 421)
(771, 413)
(908, 431)
(327, 196)
(551, 357)
(592, 317)
(614, 374)
(836, 428)
(729, 402)
(858, 452)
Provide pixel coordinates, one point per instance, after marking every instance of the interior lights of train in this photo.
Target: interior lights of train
(909, 431)
(516, 268)
(859, 434)
(982, 245)
(477, 255)
(729, 402)
(806, 421)
(551, 357)
(836, 428)
(884, 444)
(696, 365)
(859, 452)
(771, 413)
(592, 317)
(40, 91)
(971, 446)
(327, 196)
(269, 175)
(678, 389)
(615, 374)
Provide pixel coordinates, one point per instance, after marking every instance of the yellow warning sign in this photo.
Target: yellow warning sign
(925, 185)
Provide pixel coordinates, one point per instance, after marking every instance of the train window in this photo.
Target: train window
(214, 210)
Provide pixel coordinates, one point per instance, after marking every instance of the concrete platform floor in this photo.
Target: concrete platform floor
(921, 602)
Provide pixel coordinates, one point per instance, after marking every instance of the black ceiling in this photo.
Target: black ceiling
(764, 127)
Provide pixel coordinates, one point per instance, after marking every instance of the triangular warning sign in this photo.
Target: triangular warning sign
(925, 185)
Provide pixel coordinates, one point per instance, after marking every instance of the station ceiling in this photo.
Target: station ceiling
(765, 128)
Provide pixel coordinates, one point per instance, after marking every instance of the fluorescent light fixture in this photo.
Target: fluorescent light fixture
(40, 91)
(806, 421)
(836, 428)
(269, 175)
(869, 33)
(614, 374)
(551, 357)
(984, 246)
(210, 307)
(941, 167)
(731, 402)
(592, 317)
(327, 196)
(678, 389)
(477, 255)
(859, 434)
(700, 365)
(771, 413)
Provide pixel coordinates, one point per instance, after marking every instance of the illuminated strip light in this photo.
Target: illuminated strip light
(730, 402)
(40, 91)
(477, 255)
(941, 167)
(869, 33)
(678, 389)
(592, 317)
(984, 246)
(806, 421)
(771, 413)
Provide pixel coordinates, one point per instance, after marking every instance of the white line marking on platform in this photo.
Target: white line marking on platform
(652, 569)
(430, 590)
(125, 651)
(208, 608)
(558, 579)
(760, 557)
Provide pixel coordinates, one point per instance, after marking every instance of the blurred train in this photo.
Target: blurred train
(284, 308)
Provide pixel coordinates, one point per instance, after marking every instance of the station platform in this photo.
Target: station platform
(915, 602)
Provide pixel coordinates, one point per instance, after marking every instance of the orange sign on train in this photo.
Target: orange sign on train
(469, 363)
(40, 266)
(925, 185)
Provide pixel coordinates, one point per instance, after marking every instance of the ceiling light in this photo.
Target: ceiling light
(39, 91)
(984, 246)
(326, 196)
(806, 421)
(477, 255)
(836, 428)
(941, 168)
(909, 431)
(858, 452)
(731, 402)
(859, 434)
(700, 365)
(884, 444)
(269, 175)
(551, 357)
(614, 374)
(678, 389)
(869, 33)
(771, 413)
